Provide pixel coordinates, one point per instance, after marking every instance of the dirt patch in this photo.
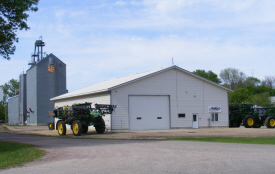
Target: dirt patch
(150, 134)
(4, 128)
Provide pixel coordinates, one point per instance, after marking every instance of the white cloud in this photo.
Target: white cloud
(99, 40)
(120, 3)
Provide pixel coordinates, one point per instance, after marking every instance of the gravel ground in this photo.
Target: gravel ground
(142, 156)
(151, 134)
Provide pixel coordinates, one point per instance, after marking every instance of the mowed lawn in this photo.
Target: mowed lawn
(243, 140)
(13, 154)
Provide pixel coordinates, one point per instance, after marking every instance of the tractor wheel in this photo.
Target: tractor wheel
(270, 122)
(61, 128)
(100, 129)
(77, 128)
(84, 129)
(248, 121)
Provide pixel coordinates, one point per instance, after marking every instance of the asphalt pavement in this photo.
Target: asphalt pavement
(68, 155)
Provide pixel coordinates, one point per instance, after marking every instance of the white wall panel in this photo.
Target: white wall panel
(188, 94)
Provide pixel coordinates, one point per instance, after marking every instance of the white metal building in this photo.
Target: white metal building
(1, 94)
(14, 118)
(272, 98)
(160, 99)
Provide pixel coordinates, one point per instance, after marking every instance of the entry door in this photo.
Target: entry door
(195, 121)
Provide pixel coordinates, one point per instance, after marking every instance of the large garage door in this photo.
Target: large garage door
(149, 112)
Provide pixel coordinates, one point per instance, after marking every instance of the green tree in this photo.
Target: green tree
(10, 89)
(250, 94)
(2, 111)
(252, 81)
(240, 95)
(262, 99)
(233, 77)
(13, 17)
(208, 75)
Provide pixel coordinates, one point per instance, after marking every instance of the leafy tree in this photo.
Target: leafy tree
(10, 89)
(233, 77)
(261, 89)
(252, 81)
(261, 99)
(13, 17)
(208, 75)
(2, 111)
(240, 95)
(269, 81)
(246, 94)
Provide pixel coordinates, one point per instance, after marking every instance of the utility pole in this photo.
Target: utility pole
(172, 61)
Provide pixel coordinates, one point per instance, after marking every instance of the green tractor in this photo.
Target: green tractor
(81, 116)
(251, 116)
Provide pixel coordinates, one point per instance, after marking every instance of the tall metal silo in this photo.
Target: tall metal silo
(45, 79)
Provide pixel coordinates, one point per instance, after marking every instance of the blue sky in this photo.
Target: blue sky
(100, 39)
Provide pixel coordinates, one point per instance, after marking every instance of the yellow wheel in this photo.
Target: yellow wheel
(250, 121)
(270, 122)
(77, 128)
(61, 128)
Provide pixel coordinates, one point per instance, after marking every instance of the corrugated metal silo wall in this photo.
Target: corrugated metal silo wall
(14, 110)
(49, 85)
(23, 98)
(32, 95)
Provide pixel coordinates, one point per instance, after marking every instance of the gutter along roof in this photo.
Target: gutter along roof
(117, 82)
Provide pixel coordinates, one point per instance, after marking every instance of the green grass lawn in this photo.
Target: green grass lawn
(243, 140)
(14, 154)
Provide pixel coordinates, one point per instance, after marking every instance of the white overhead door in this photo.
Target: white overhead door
(149, 112)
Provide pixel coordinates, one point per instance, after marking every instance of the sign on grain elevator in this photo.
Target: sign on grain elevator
(51, 66)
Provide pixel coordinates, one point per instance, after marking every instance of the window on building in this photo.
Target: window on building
(181, 115)
(194, 117)
(214, 117)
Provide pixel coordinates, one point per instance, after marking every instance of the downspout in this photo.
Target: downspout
(111, 127)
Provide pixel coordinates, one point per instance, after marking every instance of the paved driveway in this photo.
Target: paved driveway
(143, 156)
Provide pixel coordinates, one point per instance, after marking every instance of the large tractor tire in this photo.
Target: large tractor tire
(249, 121)
(270, 122)
(84, 129)
(100, 129)
(77, 128)
(258, 123)
(61, 128)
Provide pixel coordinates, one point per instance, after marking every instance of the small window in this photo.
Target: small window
(194, 117)
(214, 117)
(181, 115)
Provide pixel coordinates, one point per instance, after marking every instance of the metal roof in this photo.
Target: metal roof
(117, 82)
